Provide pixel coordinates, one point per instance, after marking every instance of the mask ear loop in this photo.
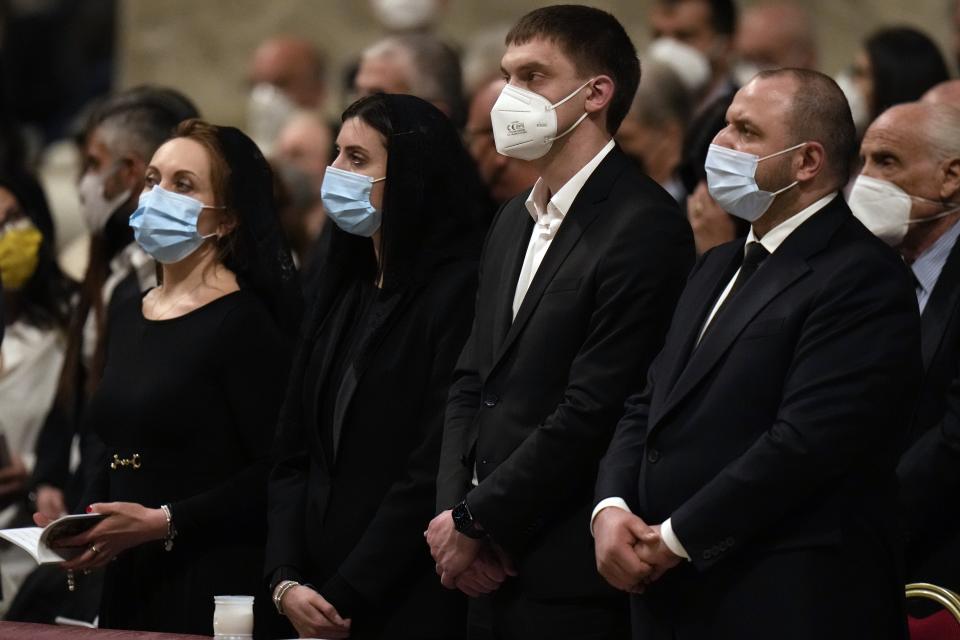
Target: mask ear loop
(214, 234)
(571, 128)
(579, 120)
(942, 214)
(778, 153)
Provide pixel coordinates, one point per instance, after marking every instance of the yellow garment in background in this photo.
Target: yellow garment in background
(19, 254)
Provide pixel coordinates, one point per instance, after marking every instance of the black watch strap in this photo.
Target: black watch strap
(464, 523)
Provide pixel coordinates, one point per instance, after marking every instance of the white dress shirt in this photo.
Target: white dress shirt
(548, 216)
(771, 242)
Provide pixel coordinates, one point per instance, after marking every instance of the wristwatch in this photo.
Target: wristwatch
(464, 523)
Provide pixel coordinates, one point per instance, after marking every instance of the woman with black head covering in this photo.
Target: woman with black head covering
(359, 436)
(190, 392)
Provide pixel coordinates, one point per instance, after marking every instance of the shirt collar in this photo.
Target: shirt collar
(928, 266)
(562, 200)
(775, 237)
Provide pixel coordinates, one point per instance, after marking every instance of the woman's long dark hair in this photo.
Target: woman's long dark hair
(904, 64)
(44, 301)
(435, 207)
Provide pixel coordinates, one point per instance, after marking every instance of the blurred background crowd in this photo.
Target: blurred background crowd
(81, 84)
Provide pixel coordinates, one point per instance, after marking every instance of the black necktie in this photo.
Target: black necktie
(752, 259)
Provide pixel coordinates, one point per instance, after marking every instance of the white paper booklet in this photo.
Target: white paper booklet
(38, 542)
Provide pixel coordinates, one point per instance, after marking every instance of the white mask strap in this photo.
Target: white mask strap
(570, 128)
(789, 186)
(942, 214)
(778, 153)
(372, 180)
(575, 92)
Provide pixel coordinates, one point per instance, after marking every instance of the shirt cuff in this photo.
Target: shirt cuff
(619, 503)
(670, 539)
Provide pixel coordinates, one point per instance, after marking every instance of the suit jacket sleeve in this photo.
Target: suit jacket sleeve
(854, 369)
(638, 281)
(620, 467)
(393, 542)
(928, 470)
(454, 474)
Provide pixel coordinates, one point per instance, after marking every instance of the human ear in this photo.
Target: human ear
(949, 175)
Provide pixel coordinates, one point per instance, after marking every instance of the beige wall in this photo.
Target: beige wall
(202, 46)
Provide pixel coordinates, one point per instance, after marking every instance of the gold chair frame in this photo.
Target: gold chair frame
(944, 597)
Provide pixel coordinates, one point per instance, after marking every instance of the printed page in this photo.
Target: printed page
(27, 538)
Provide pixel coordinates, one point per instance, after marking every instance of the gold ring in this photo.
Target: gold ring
(698, 208)
(93, 548)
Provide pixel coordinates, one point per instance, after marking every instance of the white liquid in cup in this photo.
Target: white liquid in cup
(233, 617)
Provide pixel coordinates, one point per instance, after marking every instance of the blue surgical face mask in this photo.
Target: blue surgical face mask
(165, 224)
(732, 181)
(346, 199)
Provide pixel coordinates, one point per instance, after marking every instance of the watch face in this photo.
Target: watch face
(461, 517)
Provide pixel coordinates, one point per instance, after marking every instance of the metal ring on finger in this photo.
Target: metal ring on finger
(94, 549)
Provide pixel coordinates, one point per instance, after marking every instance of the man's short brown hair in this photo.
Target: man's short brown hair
(594, 41)
(819, 112)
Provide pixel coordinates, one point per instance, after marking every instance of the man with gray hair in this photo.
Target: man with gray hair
(908, 194)
(652, 133)
(417, 64)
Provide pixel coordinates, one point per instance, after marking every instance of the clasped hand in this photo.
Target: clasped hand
(475, 567)
(312, 615)
(127, 525)
(631, 555)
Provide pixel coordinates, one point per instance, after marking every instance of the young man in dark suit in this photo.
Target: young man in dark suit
(578, 281)
(909, 194)
(749, 491)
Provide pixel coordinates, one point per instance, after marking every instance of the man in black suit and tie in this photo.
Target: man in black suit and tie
(909, 195)
(749, 491)
(578, 281)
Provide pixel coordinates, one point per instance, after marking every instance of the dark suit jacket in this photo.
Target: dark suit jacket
(930, 469)
(534, 401)
(772, 445)
(350, 521)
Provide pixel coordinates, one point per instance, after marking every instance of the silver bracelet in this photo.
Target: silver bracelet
(171, 530)
(280, 591)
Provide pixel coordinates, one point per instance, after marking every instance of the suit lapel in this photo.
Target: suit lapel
(374, 333)
(941, 306)
(787, 265)
(584, 210)
(697, 302)
(514, 255)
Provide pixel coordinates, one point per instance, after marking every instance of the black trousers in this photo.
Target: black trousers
(510, 614)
